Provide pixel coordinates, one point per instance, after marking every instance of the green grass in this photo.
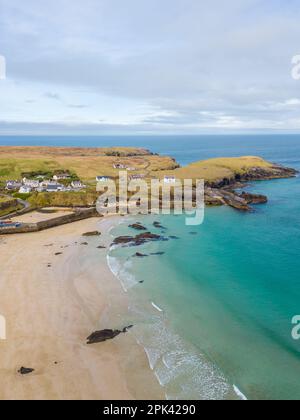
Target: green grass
(63, 199)
(219, 168)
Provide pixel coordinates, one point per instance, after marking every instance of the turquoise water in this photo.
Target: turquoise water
(227, 292)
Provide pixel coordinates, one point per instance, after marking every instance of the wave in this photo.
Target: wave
(239, 393)
(122, 272)
(156, 307)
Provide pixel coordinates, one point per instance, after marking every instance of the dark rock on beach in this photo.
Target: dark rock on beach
(104, 335)
(95, 233)
(58, 253)
(84, 243)
(25, 371)
(101, 247)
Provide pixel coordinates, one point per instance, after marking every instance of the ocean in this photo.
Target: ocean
(214, 312)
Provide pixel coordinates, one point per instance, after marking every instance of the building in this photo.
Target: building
(32, 183)
(77, 185)
(54, 187)
(122, 166)
(61, 176)
(169, 180)
(119, 166)
(13, 185)
(103, 178)
(137, 176)
(25, 190)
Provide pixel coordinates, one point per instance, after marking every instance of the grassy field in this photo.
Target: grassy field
(63, 199)
(85, 163)
(219, 168)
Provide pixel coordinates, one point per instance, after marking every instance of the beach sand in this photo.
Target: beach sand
(52, 303)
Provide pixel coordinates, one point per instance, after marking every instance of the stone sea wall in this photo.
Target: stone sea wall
(47, 224)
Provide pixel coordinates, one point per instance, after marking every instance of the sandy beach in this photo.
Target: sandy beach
(52, 303)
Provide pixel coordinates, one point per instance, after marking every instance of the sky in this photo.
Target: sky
(147, 67)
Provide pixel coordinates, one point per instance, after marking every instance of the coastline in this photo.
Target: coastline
(52, 303)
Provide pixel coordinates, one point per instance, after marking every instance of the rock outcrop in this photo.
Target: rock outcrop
(95, 233)
(139, 255)
(104, 335)
(137, 226)
(25, 371)
(138, 240)
(254, 198)
(219, 197)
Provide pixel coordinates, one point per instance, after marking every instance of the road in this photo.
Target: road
(23, 203)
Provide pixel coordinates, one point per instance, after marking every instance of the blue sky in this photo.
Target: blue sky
(140, 66)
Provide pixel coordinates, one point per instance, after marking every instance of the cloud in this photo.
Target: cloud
(181, 65)
(52, 95)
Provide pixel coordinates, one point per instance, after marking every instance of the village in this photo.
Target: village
(60, 182)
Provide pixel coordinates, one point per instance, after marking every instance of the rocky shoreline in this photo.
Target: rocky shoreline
(223, 192)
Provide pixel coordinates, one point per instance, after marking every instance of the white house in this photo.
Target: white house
(32, 183)
(61, 176)
(25, 190)
(103, 178)
(169, 180)
(13, 185)
(77, 185)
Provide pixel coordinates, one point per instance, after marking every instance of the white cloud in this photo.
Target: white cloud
(171, 65)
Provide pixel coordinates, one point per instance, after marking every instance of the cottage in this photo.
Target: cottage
(61, 176)
(119, 166)
(54, 187)
(77, 185)
(25, 190)
(169, 180)
(13, 185)
(103, 178)
(32, 183)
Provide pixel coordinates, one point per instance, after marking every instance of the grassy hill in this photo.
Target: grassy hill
(214, 169)
(85, 163)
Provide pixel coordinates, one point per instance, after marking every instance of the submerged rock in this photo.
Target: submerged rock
(139, 255)
(25, 371)
(137, 226)
(158, 225)
(104, 335)
(157, 253)
(138, 240)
